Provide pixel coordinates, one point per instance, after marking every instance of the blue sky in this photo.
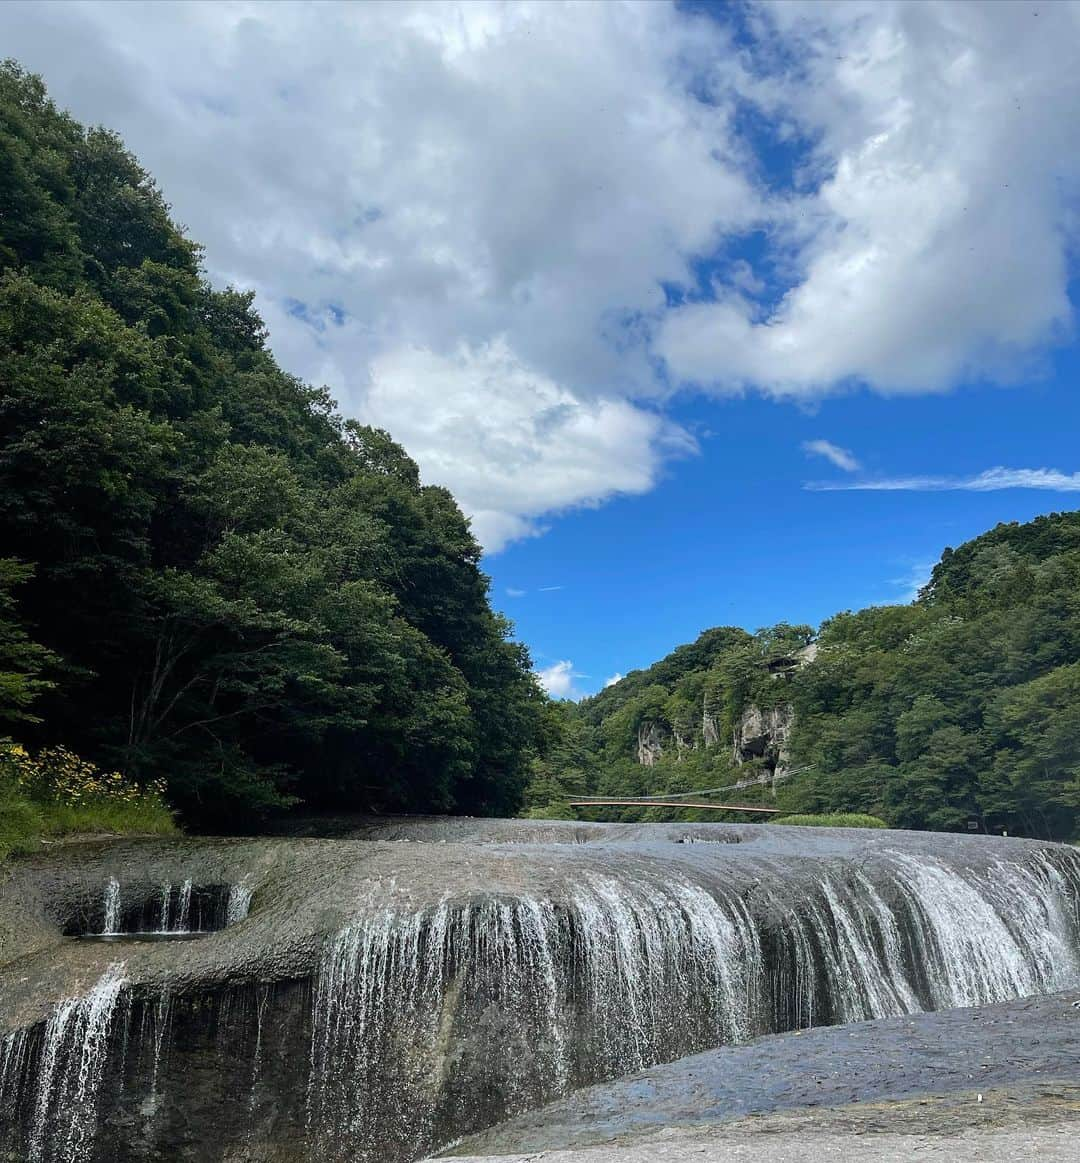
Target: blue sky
(613, 272)
(733, 536)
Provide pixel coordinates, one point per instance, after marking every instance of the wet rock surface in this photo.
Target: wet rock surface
(1022, 1056)
(1038, 1122)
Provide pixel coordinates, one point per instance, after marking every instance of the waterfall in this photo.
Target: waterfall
(419, 1020)
(112, 907)
(69, 1074)
(183, 911)
(635, 969)
(171, 909)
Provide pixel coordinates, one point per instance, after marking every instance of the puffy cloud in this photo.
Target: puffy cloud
(926, 239)
(558, 680)
(531, 449)
(842, 458)
(616, 677)
(989, 481)
(459, 216)
(499, 230)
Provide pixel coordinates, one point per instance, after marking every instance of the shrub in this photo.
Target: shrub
(57, 793)
(835, 820)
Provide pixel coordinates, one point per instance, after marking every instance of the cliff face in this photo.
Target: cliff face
(760, 732)
(650, 743)
(764, 734)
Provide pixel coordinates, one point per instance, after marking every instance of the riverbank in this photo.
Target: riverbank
(990, 1082)
(1038, 1121)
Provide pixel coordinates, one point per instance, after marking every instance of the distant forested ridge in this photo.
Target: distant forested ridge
(208, 575)
(960, 710)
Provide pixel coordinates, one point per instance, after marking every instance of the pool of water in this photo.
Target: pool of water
(116, 938)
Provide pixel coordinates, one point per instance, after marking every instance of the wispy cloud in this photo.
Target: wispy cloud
(992, 480)
(550, 589)
(616, 677)
(513, 593)
(842, 457)
(909, 584)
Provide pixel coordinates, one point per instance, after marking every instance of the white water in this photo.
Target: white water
(72, 1064)
(473, 1009)
(638, 968)
(239, 903)
(112, 907)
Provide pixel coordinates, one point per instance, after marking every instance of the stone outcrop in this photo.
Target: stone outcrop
(650, 743)
(764, 733)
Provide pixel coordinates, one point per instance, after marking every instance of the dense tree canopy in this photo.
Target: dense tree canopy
(232, 587)
(959, 711)
(962, 709)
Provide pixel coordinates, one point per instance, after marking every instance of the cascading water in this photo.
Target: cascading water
(630, 972)
(173, 909)
(73, 1055)
(111, 907)
(237, 904)
(424, 1019)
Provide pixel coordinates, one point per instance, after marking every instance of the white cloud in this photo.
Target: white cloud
(558, 680)
(509, 442)
(481, 208)
(842, 458)
(991, 480)
(476, 203)
(927, 240)
(551, 589)
(514, 593)
(616, 677)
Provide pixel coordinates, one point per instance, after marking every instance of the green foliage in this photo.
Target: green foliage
(21, 660)
(234, 589)
(56, 793)
(962, 710)
(663, 711)
(833, 820)
(21, 822)
(958, 712)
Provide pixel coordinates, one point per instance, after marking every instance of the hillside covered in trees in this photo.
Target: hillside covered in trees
(959, 710)
(209, 577)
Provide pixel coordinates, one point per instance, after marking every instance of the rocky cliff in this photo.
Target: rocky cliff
(761, 732)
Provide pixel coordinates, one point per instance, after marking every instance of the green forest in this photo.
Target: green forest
(959, 711)
(208, 577)
(220, 599)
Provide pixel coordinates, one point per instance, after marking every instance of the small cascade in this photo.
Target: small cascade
(238, 904)
(111, 907)
(172, 910)
(71, 1064)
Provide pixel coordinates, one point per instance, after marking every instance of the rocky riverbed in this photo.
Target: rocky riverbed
(1023, 1123)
